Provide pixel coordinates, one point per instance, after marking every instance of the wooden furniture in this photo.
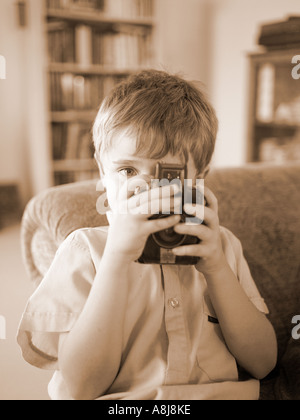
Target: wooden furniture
(274, 120)
(92, 46)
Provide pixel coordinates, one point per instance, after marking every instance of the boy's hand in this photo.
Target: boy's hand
(130, 226)
(210, 250)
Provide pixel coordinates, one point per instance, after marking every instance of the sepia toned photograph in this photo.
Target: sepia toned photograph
(149, 202)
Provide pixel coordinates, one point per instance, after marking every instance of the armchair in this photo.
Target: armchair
(259, 203)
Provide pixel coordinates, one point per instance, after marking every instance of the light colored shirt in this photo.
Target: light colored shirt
(173, 345)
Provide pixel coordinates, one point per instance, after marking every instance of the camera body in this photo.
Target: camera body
(158, 248)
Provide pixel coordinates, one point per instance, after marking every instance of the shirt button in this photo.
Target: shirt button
(174, 303)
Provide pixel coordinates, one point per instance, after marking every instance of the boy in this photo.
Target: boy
(116, 329)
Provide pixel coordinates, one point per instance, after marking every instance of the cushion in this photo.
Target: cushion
(260, 205)
(50, 217)
(287, 385)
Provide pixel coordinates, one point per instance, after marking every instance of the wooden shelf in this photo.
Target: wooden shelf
(278, 125)
(93, 69)
(274, 56)
(273, 130)
(94, 17)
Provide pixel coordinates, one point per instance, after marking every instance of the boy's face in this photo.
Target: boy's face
(120, 163)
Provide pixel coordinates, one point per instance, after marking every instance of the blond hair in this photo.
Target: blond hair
(164, 113)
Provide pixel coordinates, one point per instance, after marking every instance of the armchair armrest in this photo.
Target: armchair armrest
(50, 217)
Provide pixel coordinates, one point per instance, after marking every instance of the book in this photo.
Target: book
(61, 43)
(279, 150)
(265, 93)
(280, 33)
(72, 92)
(115, 8)
(291, 25)
(72, 141)
(83, 43)
(87, 45)
(10, 205)
(85, 147)
(75, 4)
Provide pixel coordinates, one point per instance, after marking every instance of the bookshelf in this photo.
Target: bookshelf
(274, 122)
(92, 45)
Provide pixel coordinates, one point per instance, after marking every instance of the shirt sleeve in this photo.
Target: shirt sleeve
(235, 256)
(56, 304)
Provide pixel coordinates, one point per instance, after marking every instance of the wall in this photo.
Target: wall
(183, 45)
(13, 137)
(23, 126)
(36, 98)
(235, 30)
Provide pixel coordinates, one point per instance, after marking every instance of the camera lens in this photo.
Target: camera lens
(168, 238)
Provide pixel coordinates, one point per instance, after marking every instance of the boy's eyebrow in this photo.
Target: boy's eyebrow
(133, 160)
(125, 161)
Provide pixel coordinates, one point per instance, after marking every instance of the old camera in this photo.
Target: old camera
(158, 249)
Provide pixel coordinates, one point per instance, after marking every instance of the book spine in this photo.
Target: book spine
(115, 8)
(83, 42)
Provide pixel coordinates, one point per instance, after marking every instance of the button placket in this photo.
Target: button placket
(174, 321)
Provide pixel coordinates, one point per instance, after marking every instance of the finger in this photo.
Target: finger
(158, 206)
(157, 225)
(200, 231)
(188, 250)
(202, 213)
(168, 191)
(211, 200)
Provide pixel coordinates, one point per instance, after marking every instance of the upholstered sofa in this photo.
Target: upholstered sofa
(259, 203)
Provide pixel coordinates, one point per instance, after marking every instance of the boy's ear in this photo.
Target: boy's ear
(102, 175)
(103, 179)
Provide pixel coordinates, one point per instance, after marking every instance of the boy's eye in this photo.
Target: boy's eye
(129, 172)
